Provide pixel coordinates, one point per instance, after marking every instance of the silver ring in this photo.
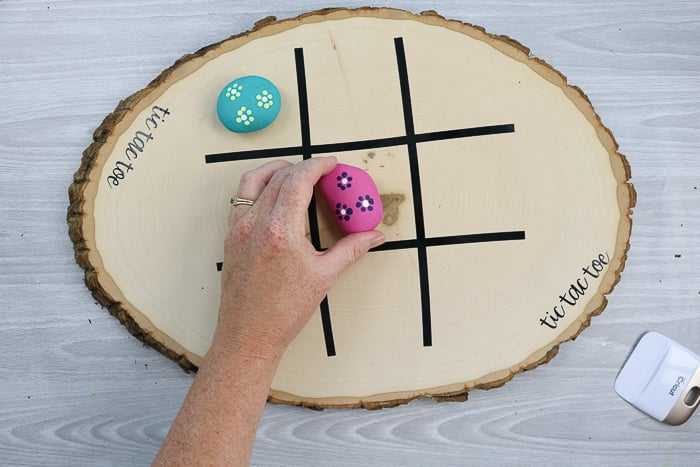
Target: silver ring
(236, 201)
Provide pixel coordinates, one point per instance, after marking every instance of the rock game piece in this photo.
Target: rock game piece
(249, 103)
(353, 197)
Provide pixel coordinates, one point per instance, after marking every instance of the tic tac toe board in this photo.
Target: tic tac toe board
(507, 204)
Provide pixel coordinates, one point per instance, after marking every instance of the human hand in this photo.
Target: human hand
(273, 279)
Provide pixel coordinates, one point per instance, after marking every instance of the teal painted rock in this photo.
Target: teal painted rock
(249, 103)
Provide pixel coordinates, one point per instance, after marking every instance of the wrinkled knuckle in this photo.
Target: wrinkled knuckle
(275, 236)
(296, 177)
(248, 177)
(240, 232)
(285, 164)
(355, 253)
(279, 177)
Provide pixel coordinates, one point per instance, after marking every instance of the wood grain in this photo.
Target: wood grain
(74, 387)
(586, 197)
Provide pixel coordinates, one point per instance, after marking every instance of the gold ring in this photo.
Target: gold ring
(236, 201)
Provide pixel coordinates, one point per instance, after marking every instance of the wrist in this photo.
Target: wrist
(232, 347)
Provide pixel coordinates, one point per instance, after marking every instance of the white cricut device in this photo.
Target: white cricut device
(661, 378)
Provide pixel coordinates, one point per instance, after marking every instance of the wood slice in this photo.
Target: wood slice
(507, 204)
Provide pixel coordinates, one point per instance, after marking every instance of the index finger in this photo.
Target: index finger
(252, 184)
(298, 187)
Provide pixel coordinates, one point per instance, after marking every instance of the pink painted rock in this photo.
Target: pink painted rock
(353, 197)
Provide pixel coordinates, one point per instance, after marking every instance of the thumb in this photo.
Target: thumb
(349, 249)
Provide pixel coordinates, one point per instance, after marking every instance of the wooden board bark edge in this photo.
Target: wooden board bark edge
(106, 292)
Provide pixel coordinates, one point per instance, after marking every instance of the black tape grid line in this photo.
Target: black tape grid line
(313, 219)
(411, 141)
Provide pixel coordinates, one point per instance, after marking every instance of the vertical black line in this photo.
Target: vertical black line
(327, 327)
(306, 137)
(416, 188)
(313, 218)
(425, 296)
(303, 103)
(411, 140)
(405, 90)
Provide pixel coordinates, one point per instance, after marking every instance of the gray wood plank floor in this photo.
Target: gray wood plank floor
(76, 389)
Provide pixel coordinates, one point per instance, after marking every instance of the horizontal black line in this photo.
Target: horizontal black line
(253, 154)
(453, 240)
(476, 238)
(358, 145)
(465, 133)
(443, 241)
(397, 245)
